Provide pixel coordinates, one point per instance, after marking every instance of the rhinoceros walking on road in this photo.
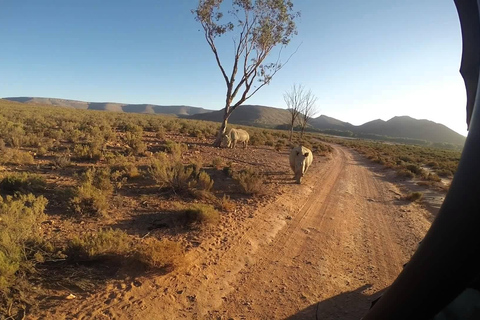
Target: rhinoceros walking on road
(300, 159)
(235, 135)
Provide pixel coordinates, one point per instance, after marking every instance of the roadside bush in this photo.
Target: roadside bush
(226, 204)
(404, 173)
(91, 197)
(202, 213)
(88, 151)
(228, 171)
(160, 134)
(177, 177)
(122, 168)
(433, 177)
(100, 244)
(204, 182)
(135, 143)
(22, 183)
(251, 182)
(62, 161)
(159, 254)
(445, 173)
(16, 157)
(414, 196)
(415, 169)
(217, 163)
(197, 164)
(19, 229)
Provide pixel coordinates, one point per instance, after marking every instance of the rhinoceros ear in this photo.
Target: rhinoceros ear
(306, 154)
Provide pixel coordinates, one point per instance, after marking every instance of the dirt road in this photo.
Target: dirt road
(322, 250)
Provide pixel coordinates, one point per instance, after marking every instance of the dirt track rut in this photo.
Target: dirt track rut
(320, 251)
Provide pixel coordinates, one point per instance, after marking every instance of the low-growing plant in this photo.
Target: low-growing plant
(251, 181)
(414, 169)
(217, 162)
(91, 197)
(100, 244)
(414, 196)
(202, 213)
(433, 177)
(160, 134)
(87, 152)
(197, 164)
(404, 173)
(135, 143)
(61, 161)
(159, 253)
(228, 171)
(22, 183)
(226, 204)
(176, 149)
(16, 157)
(175, 176)
(19, 228)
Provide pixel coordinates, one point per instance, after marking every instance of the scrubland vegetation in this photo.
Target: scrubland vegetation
(81, 189)
(409, 161)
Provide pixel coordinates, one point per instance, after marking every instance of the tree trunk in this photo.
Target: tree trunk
(301, 133)
(291, 133)
(223, 128)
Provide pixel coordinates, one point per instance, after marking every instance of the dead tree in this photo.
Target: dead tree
(294, 101)
(308, 110)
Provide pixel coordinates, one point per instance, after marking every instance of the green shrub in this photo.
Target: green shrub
(176, 176)
(20, 219)
(159, 254)
(135, 143)
(251, 182)
(62, 161)
(226, 204)
(160, 134)
(414, 196)
(433, 177)
(414, 169)
(204, 182)
(197, 164)
(91, 197)
(124, 165)
(16, 157)
(202, 213)
(404, 173)
(217, 162)
(22, 183)
(176, 149)
(102, 243)
(228, 171)
(87, 152)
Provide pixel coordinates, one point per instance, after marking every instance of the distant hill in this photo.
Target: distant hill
(323, 123)
(111, 106)
(253, 115)
(407, 129)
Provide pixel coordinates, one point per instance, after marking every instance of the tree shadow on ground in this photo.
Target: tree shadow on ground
(346, 306)
(172, 222)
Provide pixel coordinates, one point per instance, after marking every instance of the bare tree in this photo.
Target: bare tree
(294, 101)
(308, 110)
(258, 27)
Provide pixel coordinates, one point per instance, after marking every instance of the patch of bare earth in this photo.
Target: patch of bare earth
(322, 250)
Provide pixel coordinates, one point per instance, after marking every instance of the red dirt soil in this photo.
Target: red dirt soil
(320, 250)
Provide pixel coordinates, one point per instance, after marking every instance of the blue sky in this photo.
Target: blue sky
(364, 60)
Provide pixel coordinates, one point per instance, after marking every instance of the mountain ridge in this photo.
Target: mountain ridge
(265, 116)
